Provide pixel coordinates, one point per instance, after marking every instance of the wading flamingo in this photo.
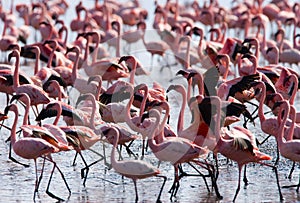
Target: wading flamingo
(32, 148)
(134, 169)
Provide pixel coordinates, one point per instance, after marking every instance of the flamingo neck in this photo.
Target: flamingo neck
(292, 126)
(131, 79)
(95, 53)
(113, 150)
(143, 104)
(37, 61)
(97, 96)
(16, 73)
(128, 116)
(13, 136)
(118, 48)
(75, 66)
(261, 114)
(281, 123)
(217, 101)
(26, 114)
(187, 55)
(295, 81)
(180, 122)
(59, 111)
(51, 57)
(200, 84)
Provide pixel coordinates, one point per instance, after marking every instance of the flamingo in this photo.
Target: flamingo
(32, 148)
(175, 150)
(134, 169)
(290, 56)
(239, 145)
(153, 47)
(288, 148)
(37, 95)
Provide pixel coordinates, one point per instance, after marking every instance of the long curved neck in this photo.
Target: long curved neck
(295, 81)
(13, 135)
(94, 105)
(200, 83)
(164, 121)
(95, 53)
(87, 51)
(37, 60)
(199, 49)
(27, 107)
(16, 73)
(118, 48)
(280, 134)
(51, 56)
(151, 141)
(143, 104)
(292, 126)
(128, 115)
(180, 122)
(113, 159)
(261, 114)
(59, 111)
(99, 87)
(187, 54)
(226, 68)
(75, 66)
(134, 64)
(217, 102)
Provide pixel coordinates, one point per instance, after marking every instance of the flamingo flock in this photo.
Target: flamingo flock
(91, 75)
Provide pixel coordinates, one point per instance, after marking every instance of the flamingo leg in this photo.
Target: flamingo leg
(291, 171)
(202, 175)
(278, 154)
(245, 176)
(136, 192)
(63, 177)
(239, 183)
(129, 151)
(83, 169)
(277, 179)
(48, 186)
(143, 149)
(162, 187)
(88, 166)
(41, 175)
(74, 161)
(176, 184)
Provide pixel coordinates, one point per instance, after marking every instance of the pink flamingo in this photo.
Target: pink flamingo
(288, 148)
(134, 169)
(32, 148)
(290, 56)
(175, 150)
(239, 146)
(37, 95)
(155, 48)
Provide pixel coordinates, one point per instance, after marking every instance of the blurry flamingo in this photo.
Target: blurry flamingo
(154, 47)
(37, 95)
(134, 169)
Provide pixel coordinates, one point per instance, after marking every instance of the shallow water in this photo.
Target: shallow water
(103, 185)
